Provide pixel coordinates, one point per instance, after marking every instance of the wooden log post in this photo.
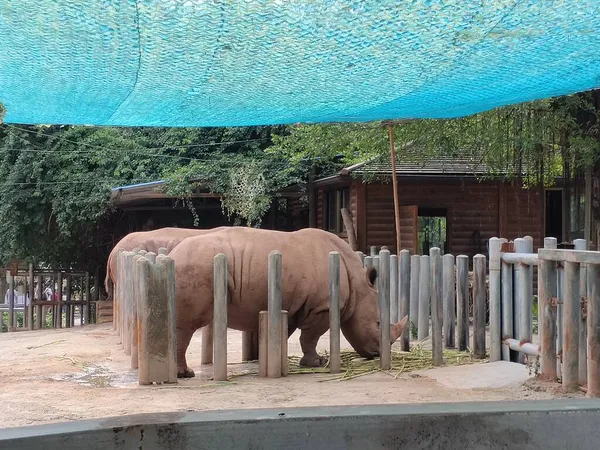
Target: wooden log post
(507, 271)
(572, 312)
(275, 307)
(436, 307)
(424, 297)
(547, 275)
(495, 289)
(479, 296)
(415, 272)
(404, 283)
(206, 352)
(263, 343)
(220, 317)
(581, 244)
(284, 343)
(462, 301)
(449, 290)
(335, 362)
(12, 324)
(394, 294)
(156, 313)
(385, 350)
(31, 292)
(593, 335)
(39, 313)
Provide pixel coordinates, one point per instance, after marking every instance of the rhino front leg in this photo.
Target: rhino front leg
(309, 338)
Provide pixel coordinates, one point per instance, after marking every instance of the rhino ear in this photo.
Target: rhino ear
(371, 275)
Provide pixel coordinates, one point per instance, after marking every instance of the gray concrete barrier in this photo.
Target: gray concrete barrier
(544, 425)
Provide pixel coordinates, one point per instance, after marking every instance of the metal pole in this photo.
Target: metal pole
(462, 299)
(404, 307)
(479, 295)
(335, 361)
(275, 307)
(415, 269)
(385, 350)
(580, 244)
(593, 324)
(449, 301)
(570, 379)
(436, 307)
(495, 300)
(424, 297)
(547, 314)
(220, 317)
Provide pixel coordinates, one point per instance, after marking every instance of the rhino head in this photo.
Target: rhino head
(362, 328)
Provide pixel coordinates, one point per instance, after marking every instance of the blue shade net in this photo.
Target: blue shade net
(213, 63)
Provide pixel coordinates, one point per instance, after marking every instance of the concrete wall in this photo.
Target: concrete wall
(516, 425)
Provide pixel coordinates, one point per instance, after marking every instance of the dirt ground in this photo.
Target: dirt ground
(82, 373)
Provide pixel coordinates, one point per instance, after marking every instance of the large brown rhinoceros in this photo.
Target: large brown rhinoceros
(150, 241)
(305, 256)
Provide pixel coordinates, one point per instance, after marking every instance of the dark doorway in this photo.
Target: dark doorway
(554, 214)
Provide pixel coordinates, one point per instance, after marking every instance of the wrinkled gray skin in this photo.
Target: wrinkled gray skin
(305, 255)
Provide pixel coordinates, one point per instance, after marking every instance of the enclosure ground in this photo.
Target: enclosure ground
(82, 373)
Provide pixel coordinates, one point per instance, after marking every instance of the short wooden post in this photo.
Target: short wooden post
(462, 301)
(415, 272)
(59, 308)
(507, 309)
(449, 290)
(68, 298)
(263, 343)
(479, 295)
(284, 343)
(394, 294)
(220, 317)
(593, 324)
(424, 297)
(581, 244)
(436, 307)
(156, 313)
(495, 284)
(547, 314)
(275, 306)
(30, 283)
(335, 361)
(12, 324)
(572, 308)
(39, 314)
(404, 283)
(385, 350)
(206, 352)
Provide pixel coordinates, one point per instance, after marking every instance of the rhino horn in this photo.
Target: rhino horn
(398, 328)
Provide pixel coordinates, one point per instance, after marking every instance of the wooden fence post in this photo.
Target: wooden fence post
(572, 309)
(334, 313)
(436, 307)
(495, 286)
(415, 271)
(275, 307)
(462, 299)
(404, 307)
(424, 297)
(220, 317)
(479, 296)
(385, 350)
(449, 301)
(547, 313)
(593, 324)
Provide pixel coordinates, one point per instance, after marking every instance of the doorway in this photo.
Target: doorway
(554, 214)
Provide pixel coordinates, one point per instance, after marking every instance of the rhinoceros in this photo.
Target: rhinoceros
(305, 255)
(150, 241)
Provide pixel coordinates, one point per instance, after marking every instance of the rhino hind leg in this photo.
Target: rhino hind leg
(309, 338)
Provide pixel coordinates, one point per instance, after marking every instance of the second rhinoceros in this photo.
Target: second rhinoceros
(305, 255)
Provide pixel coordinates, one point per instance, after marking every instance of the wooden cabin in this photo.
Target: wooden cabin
(447, 203)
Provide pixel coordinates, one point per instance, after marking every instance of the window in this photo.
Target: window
(336, 199)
